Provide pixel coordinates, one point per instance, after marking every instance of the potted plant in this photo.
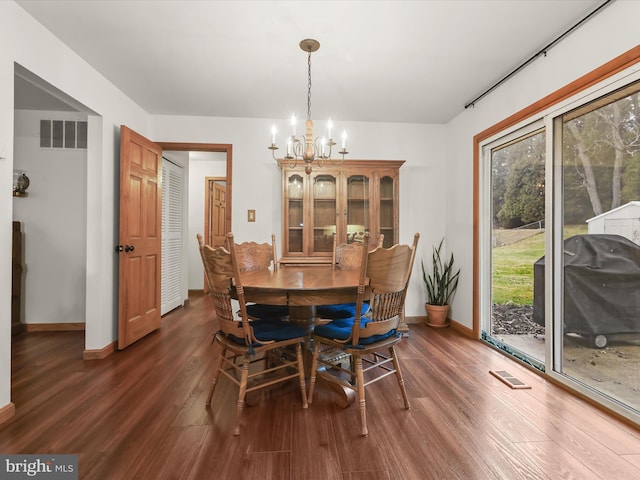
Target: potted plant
(441, 283)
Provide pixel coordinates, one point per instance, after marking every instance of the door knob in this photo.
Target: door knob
(129, 248)
(119, 248)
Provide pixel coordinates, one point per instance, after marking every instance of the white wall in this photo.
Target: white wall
(214, 166)
(24, 41)
(609, 34)
(54, 222)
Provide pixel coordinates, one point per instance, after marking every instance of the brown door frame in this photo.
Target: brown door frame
(226, 148)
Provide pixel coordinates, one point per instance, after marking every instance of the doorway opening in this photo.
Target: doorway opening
(205, 165)
(51, 148)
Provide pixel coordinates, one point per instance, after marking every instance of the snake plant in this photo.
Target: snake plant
(441, 282)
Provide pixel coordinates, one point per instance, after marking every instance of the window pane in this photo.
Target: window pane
(69, 134)
(45, 133)
(357, 207)
(296, 213)
(81, 138)
(324, 212)
(601, 231)
(517, 210)
(57, 133)
(386, 211)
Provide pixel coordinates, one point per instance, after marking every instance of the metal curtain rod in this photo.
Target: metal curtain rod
(541, 52)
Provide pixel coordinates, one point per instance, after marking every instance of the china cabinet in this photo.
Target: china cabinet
(350, 199)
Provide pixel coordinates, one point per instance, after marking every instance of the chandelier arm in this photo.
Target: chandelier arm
(297, 148)
(273, 149)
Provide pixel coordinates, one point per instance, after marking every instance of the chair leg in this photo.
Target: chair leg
(361, 399)
(244, 375)
(303, 385)
(396, 366)
(314, 366)
(216, 375)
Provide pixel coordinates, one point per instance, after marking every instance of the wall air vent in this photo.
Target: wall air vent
(63, 134)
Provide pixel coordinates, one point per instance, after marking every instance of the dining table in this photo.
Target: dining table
(302, 288)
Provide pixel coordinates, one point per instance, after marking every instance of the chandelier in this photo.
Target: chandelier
(311, 150)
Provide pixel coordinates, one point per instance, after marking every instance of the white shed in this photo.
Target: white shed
(623, 220)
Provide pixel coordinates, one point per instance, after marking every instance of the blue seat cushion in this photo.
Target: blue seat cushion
(260, 310)
(341, 329)
(340, 310)
(272, 329)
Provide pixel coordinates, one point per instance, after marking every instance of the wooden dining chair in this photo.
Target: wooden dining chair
(246, 342)
(346, 256)
(370, 339)
(260, 256)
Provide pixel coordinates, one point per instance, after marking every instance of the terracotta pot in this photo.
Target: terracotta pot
(437, 315)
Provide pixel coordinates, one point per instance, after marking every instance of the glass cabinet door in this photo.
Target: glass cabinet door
(296, 213)
(324, 212)
(358, 210)
(387, 220)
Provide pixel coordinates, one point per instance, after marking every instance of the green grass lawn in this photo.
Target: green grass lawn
(512, 275)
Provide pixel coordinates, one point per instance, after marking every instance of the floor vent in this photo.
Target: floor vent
(509, 379)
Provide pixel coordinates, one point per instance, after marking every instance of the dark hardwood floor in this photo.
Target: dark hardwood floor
(140, 414)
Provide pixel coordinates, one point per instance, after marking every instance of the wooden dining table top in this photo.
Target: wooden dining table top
(301, 285)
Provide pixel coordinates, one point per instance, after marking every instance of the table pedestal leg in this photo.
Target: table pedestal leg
(305, 316)
(344, 396)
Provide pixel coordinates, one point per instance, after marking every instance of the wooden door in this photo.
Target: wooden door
(216, 208)
(140, 237)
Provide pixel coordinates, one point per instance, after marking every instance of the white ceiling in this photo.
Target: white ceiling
(379, 61)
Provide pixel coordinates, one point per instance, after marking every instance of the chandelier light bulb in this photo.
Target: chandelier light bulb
(293, 124)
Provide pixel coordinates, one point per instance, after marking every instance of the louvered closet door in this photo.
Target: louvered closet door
(172, 185)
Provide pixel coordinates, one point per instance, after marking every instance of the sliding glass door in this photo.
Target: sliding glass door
(559, 242)
(600, 161)
(517, 208)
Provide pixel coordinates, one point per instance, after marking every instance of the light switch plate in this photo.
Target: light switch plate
(251, 215)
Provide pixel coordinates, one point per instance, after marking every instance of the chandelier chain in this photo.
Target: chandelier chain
(309, 88)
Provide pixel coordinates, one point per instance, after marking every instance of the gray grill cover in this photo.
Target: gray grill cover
(601, 285)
